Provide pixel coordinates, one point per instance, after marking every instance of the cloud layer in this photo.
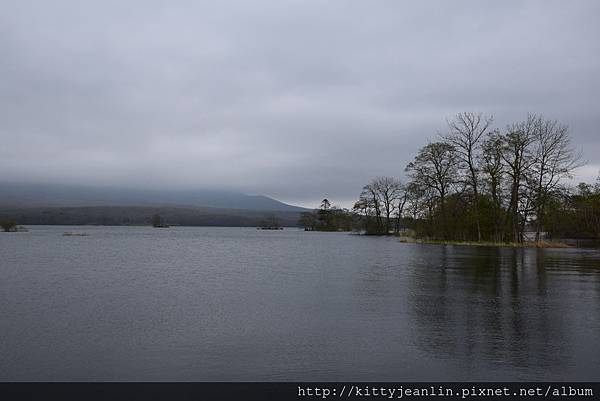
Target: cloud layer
(294, 99)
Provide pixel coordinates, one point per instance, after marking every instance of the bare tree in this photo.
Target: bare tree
(362, 210)
(416, 201)
(435, 167)
(492, 169)
(466, 131)
(371, 200)
(401, 204)
(554, 159)
(388, 190)
(517, 156)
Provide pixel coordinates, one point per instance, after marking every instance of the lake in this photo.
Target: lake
(220, 304)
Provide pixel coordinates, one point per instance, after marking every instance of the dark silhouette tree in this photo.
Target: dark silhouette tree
(466, 132)
(435, 167)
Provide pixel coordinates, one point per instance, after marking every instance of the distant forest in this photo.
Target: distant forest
(478, 183)
(143, 215)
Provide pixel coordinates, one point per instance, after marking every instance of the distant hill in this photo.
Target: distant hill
(142, 215)
(30, 204)
(45, 195)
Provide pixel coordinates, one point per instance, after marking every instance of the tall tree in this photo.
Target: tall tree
(492, 168)
(554, 159)
(372, 199)
(388, 191)
(324, 215)
(517, 156)
(403, 196)
(435, 167)
(466, 131)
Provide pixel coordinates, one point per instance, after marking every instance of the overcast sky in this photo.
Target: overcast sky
(298, 100)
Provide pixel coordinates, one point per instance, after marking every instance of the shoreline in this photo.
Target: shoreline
(528, 244)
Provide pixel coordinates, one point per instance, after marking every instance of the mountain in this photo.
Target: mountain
(142, 215)
(18, 195)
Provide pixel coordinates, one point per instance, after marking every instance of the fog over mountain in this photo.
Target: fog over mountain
(33, 204)
(297, 100)
(46, 195)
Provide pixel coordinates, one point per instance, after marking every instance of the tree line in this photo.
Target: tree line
(479, 183)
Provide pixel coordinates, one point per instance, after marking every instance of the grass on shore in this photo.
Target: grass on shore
(527, 244)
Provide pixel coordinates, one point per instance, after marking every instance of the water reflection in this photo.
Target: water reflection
(495, 306)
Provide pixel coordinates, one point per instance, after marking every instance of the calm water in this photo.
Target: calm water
(242, 304)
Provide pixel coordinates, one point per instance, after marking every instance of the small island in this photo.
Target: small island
(328, 218)
(270, 223)
(10, 226)
(479, 185)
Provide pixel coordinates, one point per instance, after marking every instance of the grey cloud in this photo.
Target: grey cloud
(293, 99)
